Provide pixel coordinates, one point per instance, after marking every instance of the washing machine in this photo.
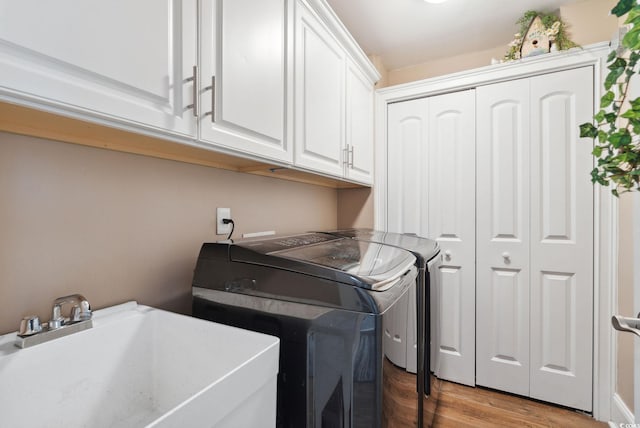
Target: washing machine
(333, 302)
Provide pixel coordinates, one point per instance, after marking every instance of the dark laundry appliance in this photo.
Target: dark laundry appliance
(428, 261)
(330, 300)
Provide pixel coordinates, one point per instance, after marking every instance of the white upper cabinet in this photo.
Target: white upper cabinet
(359, 125)
(243, 76)
(116, 59)
(333, 103)
(320, 96)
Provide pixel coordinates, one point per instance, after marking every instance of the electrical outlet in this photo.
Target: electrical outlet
(221, 228)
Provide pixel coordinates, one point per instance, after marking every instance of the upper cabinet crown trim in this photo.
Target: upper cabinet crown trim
(468, 79)
(331, 20)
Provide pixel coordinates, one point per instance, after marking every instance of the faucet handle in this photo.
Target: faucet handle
(79, 313)
(30, 325)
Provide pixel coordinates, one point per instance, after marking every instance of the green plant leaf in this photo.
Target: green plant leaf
(588, 130)
(631, 114)
(631, 40)
(612, 77)
(606, 100)
(602, 136)
(599, 117)
(610, 118)
(597, 151)
(618, 63)
(634, 15)
(612, 55)
(623, 7)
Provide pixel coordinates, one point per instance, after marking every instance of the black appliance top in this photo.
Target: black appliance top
(360, 263)
(423, 248)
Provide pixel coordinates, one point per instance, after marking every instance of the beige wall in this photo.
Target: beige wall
(355, 208)
(589, 22)
(116, 226)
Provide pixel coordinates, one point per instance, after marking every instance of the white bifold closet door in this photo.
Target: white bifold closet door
(503, 236)
(561, 239)
(431, 192)
(451, 213)
(535, 238)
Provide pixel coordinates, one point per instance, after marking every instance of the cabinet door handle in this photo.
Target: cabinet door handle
(194, 91)
(213, 99)
(351, 158)
(506, 256)
(447, 255)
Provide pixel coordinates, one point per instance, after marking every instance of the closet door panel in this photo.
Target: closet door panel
(451, 184)
(562, 239)
(502, 270)
(406, 160)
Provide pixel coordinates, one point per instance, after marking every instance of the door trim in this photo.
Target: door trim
(605, 205)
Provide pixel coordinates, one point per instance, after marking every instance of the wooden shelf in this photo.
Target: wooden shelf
(36, 123)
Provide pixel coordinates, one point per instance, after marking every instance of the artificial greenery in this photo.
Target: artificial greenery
(617, 123)
(556, 30)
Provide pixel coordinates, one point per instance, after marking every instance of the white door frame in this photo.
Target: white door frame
(605, 205)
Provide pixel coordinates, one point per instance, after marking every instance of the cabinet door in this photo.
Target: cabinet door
(407, 167)
(319, 112)
(243, 63)
(115, 59)
(561, 239)
(451, 182)
(359, 125)
(502, 255)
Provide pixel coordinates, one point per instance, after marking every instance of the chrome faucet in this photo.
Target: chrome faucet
(80, 311)
(32, 332)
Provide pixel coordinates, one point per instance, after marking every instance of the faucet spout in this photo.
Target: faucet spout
(80, 311)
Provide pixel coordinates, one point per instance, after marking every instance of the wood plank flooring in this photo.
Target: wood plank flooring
(461, 406)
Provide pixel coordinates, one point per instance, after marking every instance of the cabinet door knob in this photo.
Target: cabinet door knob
(506, 256)
(447, 255)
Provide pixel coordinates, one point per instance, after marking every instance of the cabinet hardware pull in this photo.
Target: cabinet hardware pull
(351, 158)
(447, 255)
(345, 155)
(213, 99)
(194, 91)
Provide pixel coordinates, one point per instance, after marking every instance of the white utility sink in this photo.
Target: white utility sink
(139, 366)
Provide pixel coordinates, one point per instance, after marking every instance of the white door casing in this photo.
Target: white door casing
(561, 239)
(502, 233)
(67, 54)
(451, 184)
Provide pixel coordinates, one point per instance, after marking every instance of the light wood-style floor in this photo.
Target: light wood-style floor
(461, 406)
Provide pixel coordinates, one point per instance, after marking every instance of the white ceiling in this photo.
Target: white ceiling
(409, 32)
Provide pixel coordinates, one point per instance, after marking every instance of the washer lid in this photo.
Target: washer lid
(421, 247)
(365, 264)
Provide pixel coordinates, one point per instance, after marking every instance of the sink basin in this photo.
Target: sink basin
(140, 366)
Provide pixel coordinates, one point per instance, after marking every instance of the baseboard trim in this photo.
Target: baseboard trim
(620, 413)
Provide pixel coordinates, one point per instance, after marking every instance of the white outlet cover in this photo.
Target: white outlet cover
(221, 228)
